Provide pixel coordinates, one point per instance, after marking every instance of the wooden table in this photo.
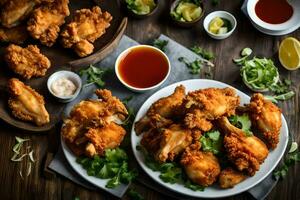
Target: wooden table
(36, 186)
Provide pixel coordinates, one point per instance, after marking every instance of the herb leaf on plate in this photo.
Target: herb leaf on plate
(242, 122)
(212, 141)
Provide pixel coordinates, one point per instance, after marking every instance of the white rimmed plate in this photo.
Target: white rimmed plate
(214, 191)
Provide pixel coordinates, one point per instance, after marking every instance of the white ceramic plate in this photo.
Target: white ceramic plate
(100, 183)
(210, 192)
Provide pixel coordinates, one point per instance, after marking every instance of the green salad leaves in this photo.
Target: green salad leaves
(242, 122)
(113, 166)
(212, 141)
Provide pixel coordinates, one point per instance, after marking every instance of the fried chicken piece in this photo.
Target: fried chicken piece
(26, 103)
(201, 168)
(27, 62)
(15, 35)
(102, 138)
(266, 117)
(245, 152)
(93, 113)
(86, 26)
(164, 107)
(205, 105)
(229, 178)
(15, 11)
(166, 144)
(45, 21)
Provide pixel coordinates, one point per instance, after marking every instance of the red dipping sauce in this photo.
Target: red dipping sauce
(143, 67)
(274, 11)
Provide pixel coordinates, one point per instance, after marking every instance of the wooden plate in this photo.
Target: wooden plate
(62, 59)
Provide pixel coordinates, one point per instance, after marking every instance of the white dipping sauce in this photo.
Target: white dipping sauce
(63, 87)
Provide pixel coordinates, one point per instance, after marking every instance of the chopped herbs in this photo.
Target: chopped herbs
(281, 97)
(134, 195)
(242, 122)
(113, 166)
(281, 87)
(290, 160)
(203, 53)
(94, 75)
(212, 141)
(194, 67)
(160, 44)
(170, 172)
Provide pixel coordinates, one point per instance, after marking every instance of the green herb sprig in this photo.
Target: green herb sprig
(212, 141)
(203, 53)
(94, 75)
(194, 66)
(281, 97)
(242, 122)
(161, 44)
(134, 195)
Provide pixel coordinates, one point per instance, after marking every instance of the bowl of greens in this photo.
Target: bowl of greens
(186, 13)
(141, 8)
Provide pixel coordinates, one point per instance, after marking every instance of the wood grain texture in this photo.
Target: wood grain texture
(36, 186)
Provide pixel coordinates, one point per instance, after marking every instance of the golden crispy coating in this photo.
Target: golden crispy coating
(86, 26)
(229, 178)
(26, 103)
(108, 137)
(201, 167)
(168, 143)
(267, 118)
(45, 21)
(246, 152)
(205, 105)
(164, 107)
(27, 62)
(15, 35)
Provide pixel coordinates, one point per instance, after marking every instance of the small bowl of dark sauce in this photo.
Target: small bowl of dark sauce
(274, 15)
(142, 68)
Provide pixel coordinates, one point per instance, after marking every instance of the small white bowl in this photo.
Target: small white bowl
(222, 14)
(69, 75)
(292, 22)
(135, 89)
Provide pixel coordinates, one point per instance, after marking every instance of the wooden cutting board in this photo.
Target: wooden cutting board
(62, 59)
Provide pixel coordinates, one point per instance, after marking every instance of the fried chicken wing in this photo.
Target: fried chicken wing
(45, 21)
(201, 167)
(205, 105)
(86, 26)
(164, 107)
(245, 152)
(266, 117)
(166, 144)
(229, 178)
(102, 138)
(26, 103)
(15, 35)
(27, 62)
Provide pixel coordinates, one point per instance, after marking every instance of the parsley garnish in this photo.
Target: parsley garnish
(94, 75)
(203, 53)
(242, 122)
(212, 141)
(160, 44)
(194, 66)
(134, 195)
(289, 161)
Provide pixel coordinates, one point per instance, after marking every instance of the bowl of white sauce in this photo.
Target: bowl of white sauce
(64, 85)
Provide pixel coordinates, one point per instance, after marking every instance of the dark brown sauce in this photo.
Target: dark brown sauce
(274, 11)
(143, 67)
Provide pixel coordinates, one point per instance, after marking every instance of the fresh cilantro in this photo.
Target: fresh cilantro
(203, 53)
(289, 161)
(113, 166)
(281, 97)
(194, 66)
(128, 122)
(281, 87)
(160, 44)
(194, 187)
(94, 75)
(134, 195)
(170, 172)
(242, 122)
(212, 141)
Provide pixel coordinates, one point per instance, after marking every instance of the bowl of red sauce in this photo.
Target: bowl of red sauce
(142, 68)
(274, 15)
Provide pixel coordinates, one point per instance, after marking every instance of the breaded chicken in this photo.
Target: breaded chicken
(245, 152)
(101, 138)
(167, 143)
(204, 105)
(266, 117)
(15, 11)
(26, 103)
(16, 35)
(27, 62)
(201, 167)
(229, 178)
(86, 26)
(164, 107)
(45, 21)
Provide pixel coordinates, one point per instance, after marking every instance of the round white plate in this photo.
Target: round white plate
(214, 191)
(276, 33)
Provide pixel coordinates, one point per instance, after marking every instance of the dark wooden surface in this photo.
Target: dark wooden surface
(36, 186)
